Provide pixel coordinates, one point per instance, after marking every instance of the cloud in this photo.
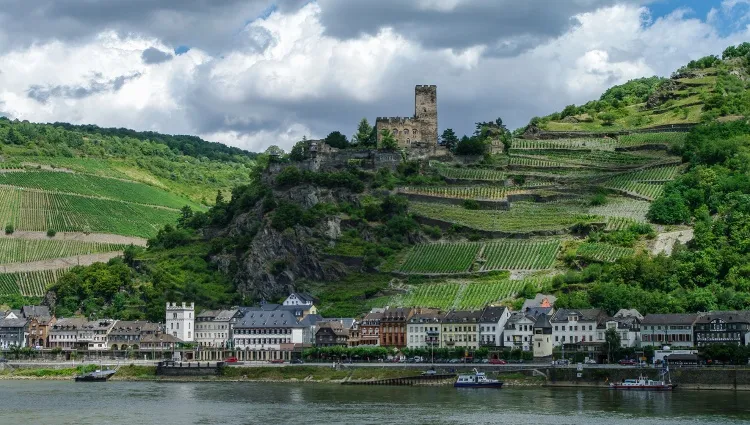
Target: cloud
(153, 55)
(271, 76)
(43, 93)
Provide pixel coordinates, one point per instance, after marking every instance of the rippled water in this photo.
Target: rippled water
(55, 402)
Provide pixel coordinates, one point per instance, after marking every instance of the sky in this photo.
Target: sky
(256, 73)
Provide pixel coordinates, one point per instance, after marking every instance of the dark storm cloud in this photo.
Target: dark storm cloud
(506, 26)
(205, 24)
(152, 55)
(96, 85)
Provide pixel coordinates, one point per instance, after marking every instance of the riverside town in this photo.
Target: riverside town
(375, 212)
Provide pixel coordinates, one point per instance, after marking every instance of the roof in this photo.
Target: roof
(461, 316)
(268, 319)
(38, 311)
(336, 327)
(346, 322)
(426, 315)
(543, 322)
(726, 316)
(670, 319)
(539, 300)
(12, 323)
(400, 313)
(226, 315)
(625, 312)
(98, 324)
(134, 327)
(517, 316)
(373, 316)
(492, 314)
(70, 323)
(207, 314)
(311, 320)
(161, 337)
(304, 297)
(538, 311)
(585, 315)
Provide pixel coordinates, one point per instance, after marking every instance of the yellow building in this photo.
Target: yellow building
(460, 329)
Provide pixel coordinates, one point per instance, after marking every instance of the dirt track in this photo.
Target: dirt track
(59, 263)
(79, 236)
(664, 242)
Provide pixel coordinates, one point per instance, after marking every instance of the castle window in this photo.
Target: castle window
(408, 141)
(395, 132)
(415, 131)
(406, 132)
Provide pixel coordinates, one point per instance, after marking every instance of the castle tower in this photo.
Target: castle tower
(420, 129)
(180, 320)
(425, 112)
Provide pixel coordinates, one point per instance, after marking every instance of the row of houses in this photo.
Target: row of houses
(278, 331)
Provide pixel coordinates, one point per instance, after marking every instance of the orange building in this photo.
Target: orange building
(393, 327)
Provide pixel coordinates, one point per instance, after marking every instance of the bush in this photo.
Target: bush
(289, 176)
(9, 229)
(51, 233)
(471, 146)
(598, 199)
(669, 209)
(470, 204)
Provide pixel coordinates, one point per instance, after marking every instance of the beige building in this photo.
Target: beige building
(460, 329)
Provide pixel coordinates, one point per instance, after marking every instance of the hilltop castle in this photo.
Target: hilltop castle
(419, 130)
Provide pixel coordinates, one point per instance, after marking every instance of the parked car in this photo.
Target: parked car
(628, 362)
(454, 361)
(590, 361)
(3, 360)
(561, 362)
(231, 360)
(277, 361)
(498, 361)
(429, 372)
(297, 361)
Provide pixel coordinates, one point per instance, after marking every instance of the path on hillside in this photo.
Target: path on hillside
(664, 242)
(59, 263)
(78, 236)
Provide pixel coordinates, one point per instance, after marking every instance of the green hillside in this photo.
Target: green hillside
(573, 204)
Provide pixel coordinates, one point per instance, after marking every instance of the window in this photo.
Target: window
(174, 316)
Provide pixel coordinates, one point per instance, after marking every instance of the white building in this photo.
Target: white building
(299, 299)
(492, 325)
(213, 328)
(577, 326)
(64, 333)
(267, 335)
(180, 320)
(423, 329)
(93, 335)
(675, 330)
(519, 331)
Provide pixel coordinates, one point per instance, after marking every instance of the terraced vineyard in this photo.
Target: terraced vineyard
(638, 139)
(90, 185)
(621, 207)
(581, 144)
(597, 158)
(602, 252)
(441, 258)
(463, 295)
(28, 284)
(649, 191)
(485, 174)
(538, 162)
(22, 250)
(508, 254)
(522, 218)
(520, 255)
(42, 211)
(460, 192)
(657, 174)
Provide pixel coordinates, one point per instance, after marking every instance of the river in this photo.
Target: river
(129, 403)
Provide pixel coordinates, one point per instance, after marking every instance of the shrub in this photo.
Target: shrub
(670, 209)
(289, 176)
(470, 204)
(9, 229)
(51, 233)
(598, 199)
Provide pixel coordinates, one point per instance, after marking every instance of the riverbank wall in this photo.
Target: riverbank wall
(685, 378)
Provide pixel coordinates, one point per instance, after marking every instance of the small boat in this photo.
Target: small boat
(645, 384)
(477, 380)
(98, 375)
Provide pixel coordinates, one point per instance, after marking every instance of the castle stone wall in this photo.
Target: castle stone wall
(421, 129)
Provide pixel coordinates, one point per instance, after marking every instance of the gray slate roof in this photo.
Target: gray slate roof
(268, 319)
(38, 311)
(726, 316)
(70, 323)
(461, 316)
(12, 323)
(587, 315)
(537, 300)
(492, 314)
(311, 320)
(670, 319)
(134, 327)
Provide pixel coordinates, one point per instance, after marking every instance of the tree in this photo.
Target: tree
(449, 139)
(612, 342)
(9, 229)
(298, 151)
(336, 140)
(608, 118)
(471, 146)
(186, 213)
(364, 134)
(387, 141)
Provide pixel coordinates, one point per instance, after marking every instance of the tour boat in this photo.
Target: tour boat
(477, 380)
(643, 383)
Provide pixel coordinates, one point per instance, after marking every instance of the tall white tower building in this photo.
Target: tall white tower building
(180, 321)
